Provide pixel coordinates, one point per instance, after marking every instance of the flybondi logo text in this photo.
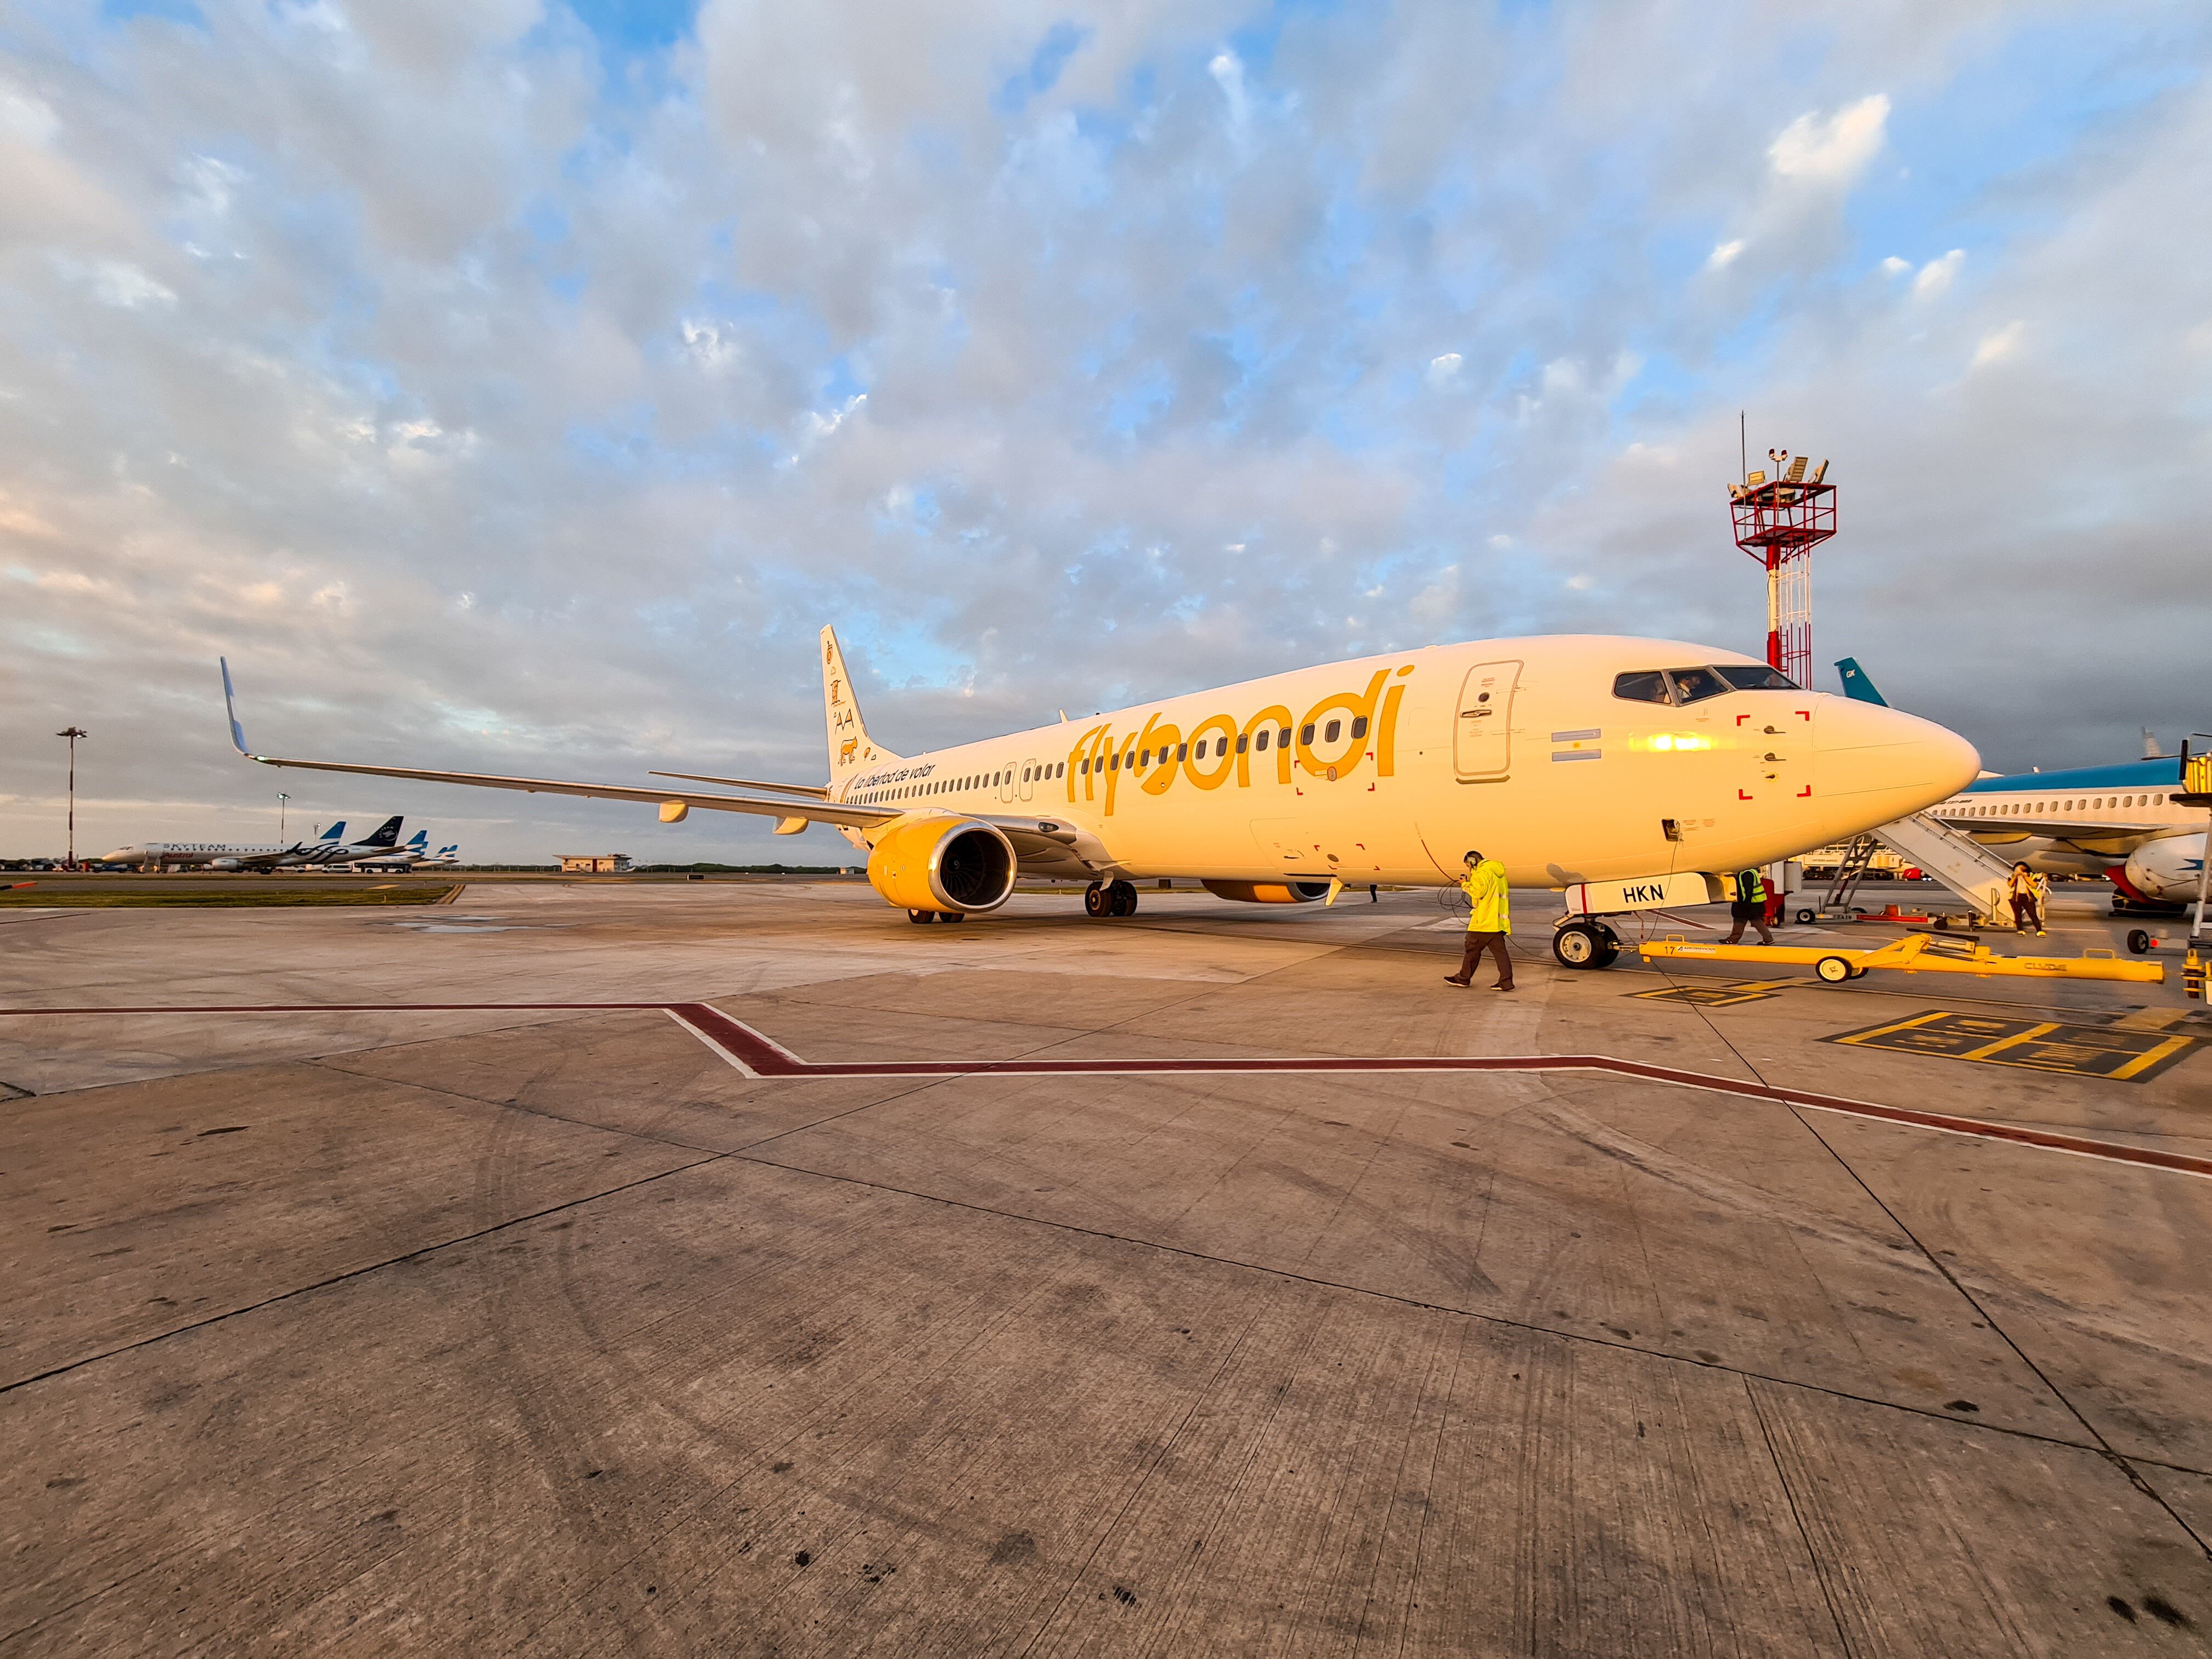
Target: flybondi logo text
(1333, 740)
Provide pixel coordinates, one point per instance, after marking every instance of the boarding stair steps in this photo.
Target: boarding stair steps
(1959, 861)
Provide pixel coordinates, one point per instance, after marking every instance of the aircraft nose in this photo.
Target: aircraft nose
(1889, 756)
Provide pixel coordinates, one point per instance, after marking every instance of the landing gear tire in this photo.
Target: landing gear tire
(918, 917)
(1122, 897)
(1585, 945)
(1806, 918)
(952, 915)
(1834, 970)
(2138, 942)
(1097, 900)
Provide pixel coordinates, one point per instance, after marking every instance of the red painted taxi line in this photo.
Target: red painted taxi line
(759, 1056)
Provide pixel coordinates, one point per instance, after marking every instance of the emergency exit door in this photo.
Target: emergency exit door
(1482, 729)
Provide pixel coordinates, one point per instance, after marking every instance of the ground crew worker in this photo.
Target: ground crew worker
(1749, 904)
(2027, 892)
(1489, 920)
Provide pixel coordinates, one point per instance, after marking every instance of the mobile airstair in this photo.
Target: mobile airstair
(1958, 861)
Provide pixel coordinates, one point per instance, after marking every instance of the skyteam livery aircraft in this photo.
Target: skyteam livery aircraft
(1627, 771)
(332, 847)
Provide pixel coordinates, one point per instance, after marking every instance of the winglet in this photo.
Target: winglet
(230, 707)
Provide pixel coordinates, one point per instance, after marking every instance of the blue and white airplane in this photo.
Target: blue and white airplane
(2120, 821)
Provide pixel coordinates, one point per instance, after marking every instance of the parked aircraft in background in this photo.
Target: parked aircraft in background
(444, 858)
(330, 848)
(2119, 821)
(221, 854)
(1571, 759)
(400, 858)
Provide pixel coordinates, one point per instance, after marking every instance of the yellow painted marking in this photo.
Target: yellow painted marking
(2150, 1019)
(1886, 1031)
(2017, 1037)
(2151, 1057)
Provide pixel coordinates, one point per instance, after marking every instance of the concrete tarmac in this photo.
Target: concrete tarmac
(498, 1326)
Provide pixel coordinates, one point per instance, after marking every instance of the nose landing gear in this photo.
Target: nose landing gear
(1114, 898)
(1585, 944)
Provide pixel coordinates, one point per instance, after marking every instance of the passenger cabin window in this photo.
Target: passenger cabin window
(1283, 738)
(1182, 751)
(1696, 684)
(1328, 733)
(1262, 744)
(1648, 686)
(1748, 677)
(1244, 741)
(1359, 727)
(1305, 733)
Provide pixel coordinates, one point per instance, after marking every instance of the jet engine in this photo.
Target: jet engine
(948, 866)
(224, 864)
(2166, 869)
(1268, 892)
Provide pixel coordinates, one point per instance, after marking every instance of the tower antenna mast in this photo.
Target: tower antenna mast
(1780, 518)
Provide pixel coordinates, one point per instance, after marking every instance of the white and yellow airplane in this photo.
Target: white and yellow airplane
(1631, 773)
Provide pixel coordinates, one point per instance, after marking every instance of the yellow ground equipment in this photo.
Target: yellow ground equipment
(1916, 953)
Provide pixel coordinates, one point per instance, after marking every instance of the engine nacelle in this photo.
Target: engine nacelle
(2166, 869)
(224, 864)
(957, 866)
(1268, 892)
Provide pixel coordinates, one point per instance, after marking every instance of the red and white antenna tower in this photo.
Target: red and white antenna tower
(1780, 518)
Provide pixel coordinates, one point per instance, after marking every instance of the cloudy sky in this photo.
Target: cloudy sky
(515, 384)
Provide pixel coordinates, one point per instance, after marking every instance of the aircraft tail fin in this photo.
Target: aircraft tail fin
(335, 834)
(387, 834)
(1857, 686)
(850, 747)
(420, 840)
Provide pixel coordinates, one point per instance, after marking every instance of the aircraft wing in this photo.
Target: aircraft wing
(2054, 828)
(858, 817)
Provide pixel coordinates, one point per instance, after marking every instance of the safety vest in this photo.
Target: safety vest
(1488, 907)
(1750, 887)
(2023, 883)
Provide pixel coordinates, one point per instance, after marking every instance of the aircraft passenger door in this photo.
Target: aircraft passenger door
(1482, 729)
(1029, 770)
(1008, 787)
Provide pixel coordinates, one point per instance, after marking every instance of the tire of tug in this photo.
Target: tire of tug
(1805, 918)
(1834, 970)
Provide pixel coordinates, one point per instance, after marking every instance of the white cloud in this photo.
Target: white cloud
(1999, 344)
(1830, 151)
(1228, 72)
(1894, 266)
(1937, 274)
(27, 116)
(1444, 370)
(1578, 583)
(115, 283)
(1724, 255)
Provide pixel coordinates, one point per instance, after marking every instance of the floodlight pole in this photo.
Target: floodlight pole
(283, 800)
(73, 732)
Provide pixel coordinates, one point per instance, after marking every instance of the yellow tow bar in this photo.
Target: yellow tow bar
(1916, 953)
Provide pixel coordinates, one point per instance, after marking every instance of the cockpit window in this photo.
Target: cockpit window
(1650, 686)
(1748, 677)
(1695, 684)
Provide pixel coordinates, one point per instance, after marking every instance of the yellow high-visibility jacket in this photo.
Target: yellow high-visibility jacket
(1484, 887)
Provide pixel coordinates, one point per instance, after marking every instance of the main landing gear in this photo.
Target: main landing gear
(1584, 943)
(920, 916)
(1113, 898)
